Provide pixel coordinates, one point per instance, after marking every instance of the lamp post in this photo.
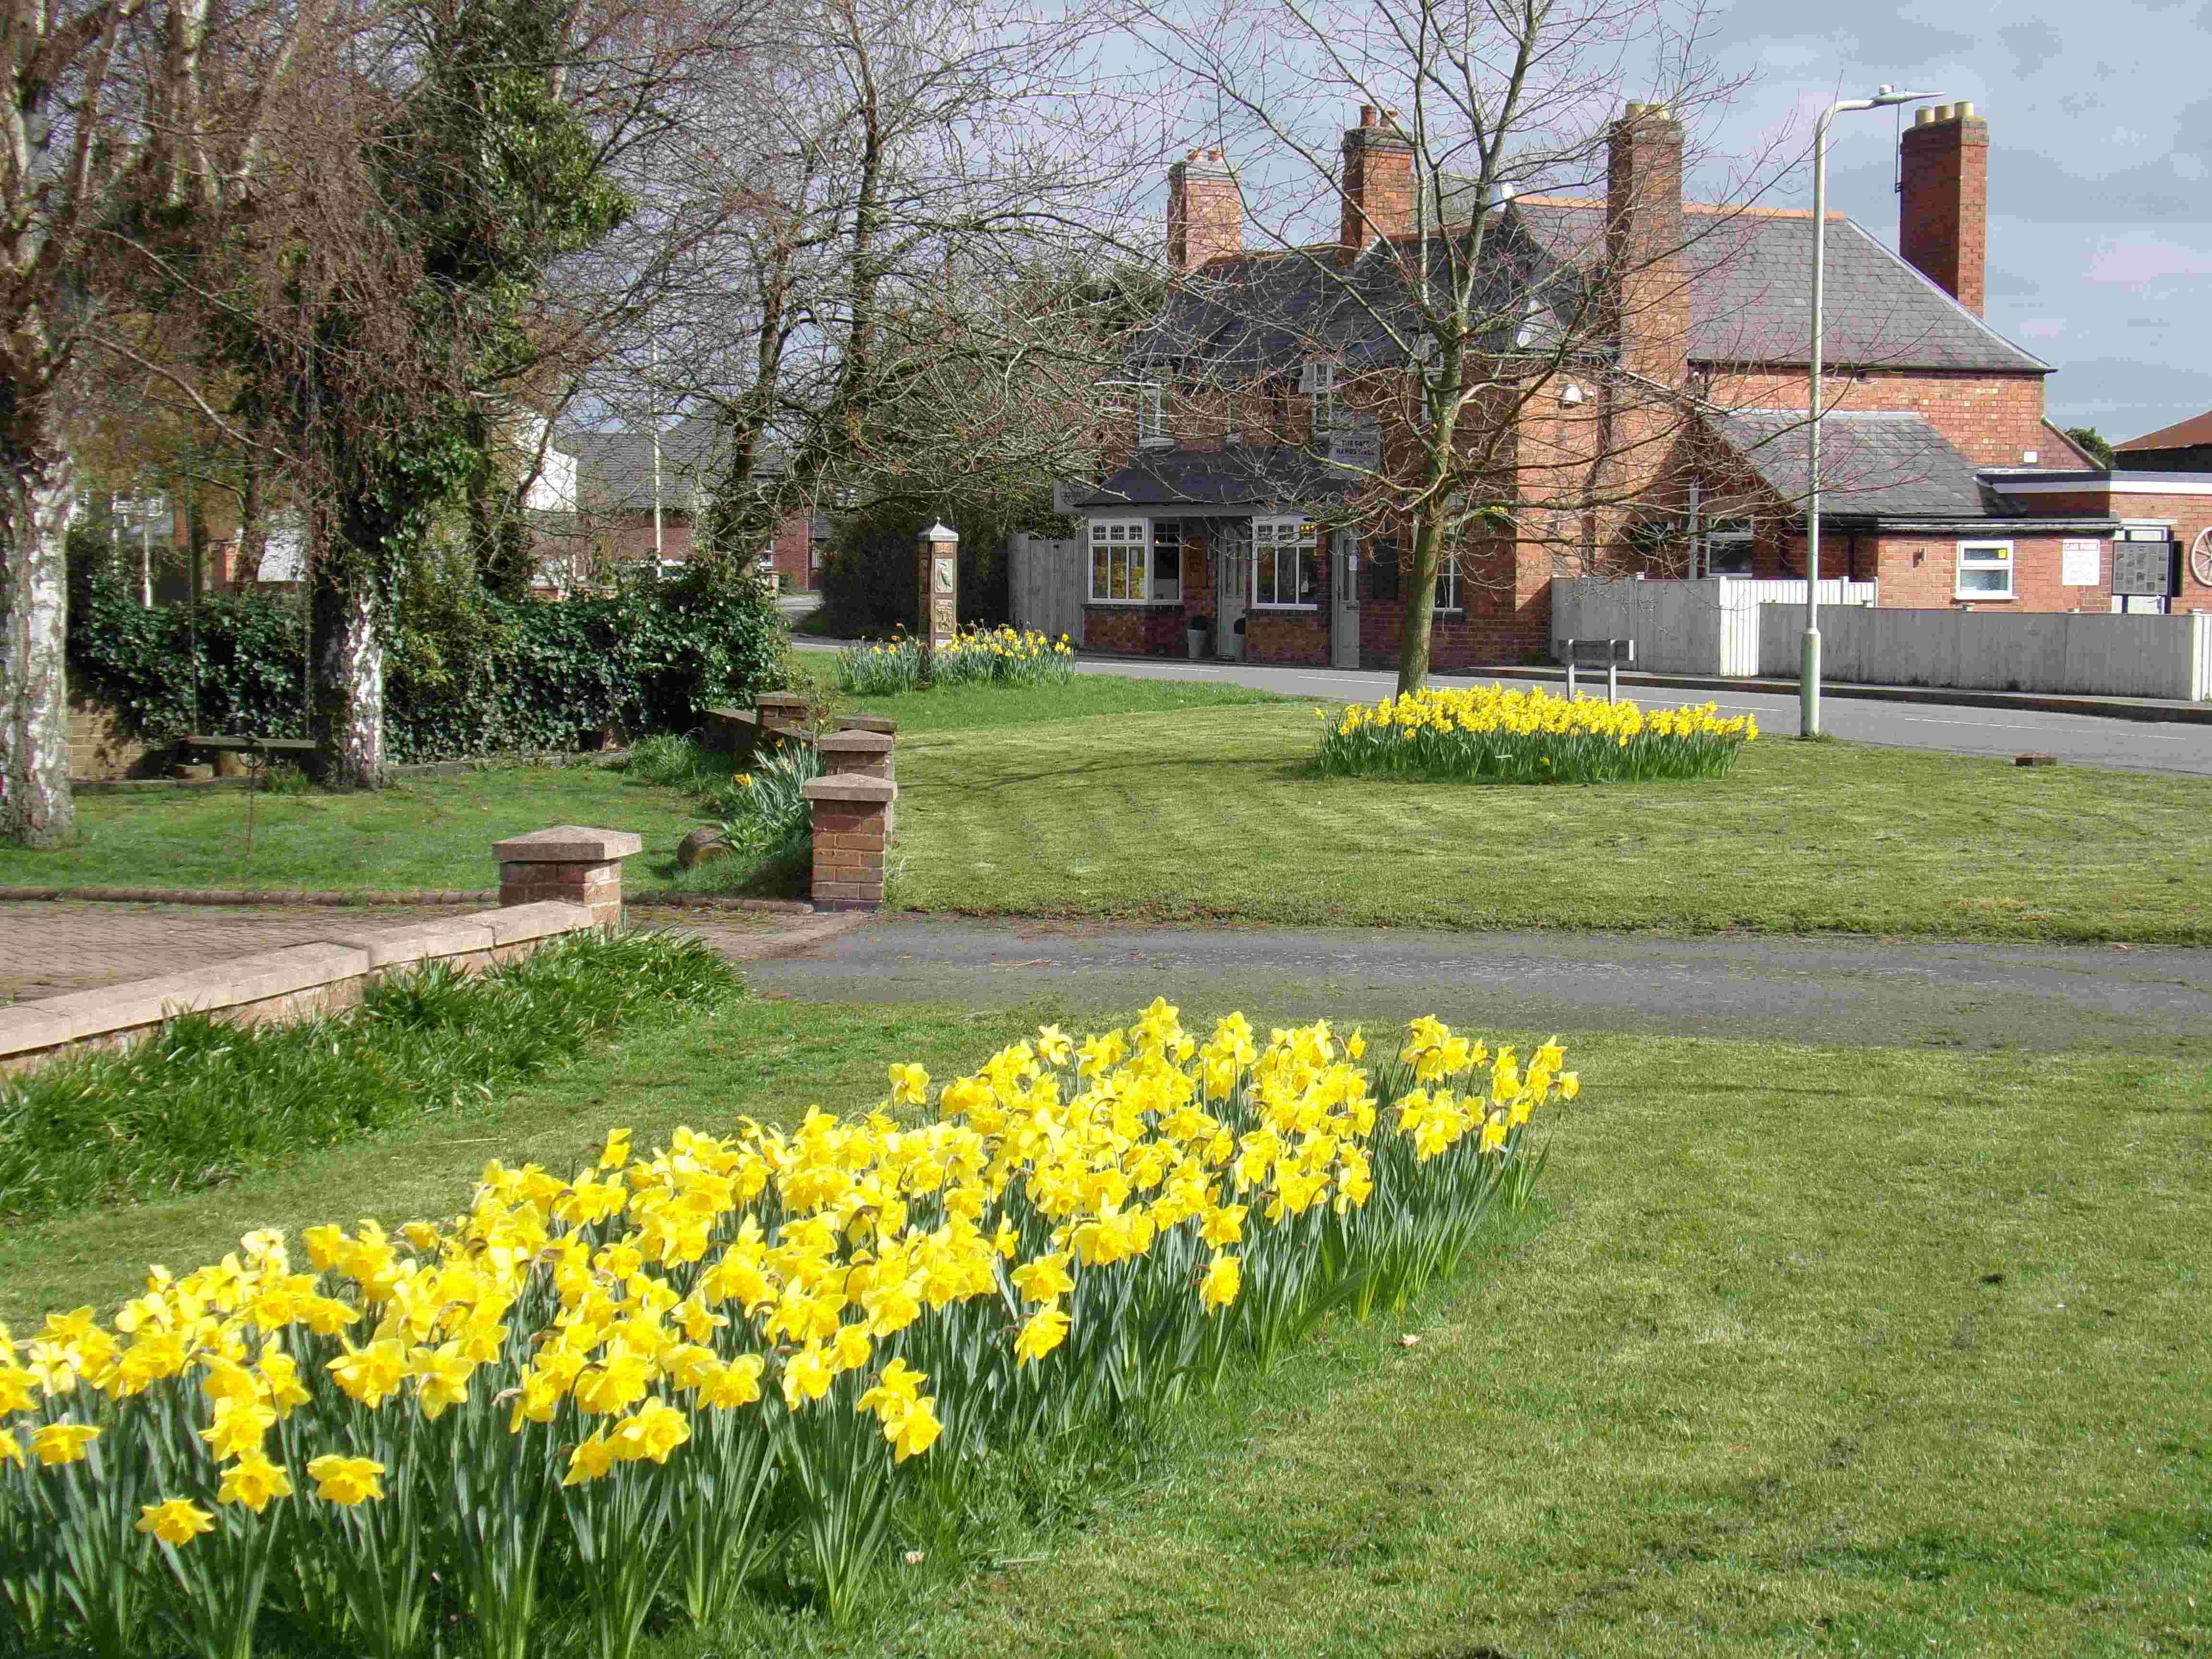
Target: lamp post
(1808, 672)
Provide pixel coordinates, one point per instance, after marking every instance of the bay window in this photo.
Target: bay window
(1285, 568)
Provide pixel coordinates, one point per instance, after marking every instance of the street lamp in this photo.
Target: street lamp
(1809, 675)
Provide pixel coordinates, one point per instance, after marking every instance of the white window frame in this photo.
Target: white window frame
(1994, 556)
(1447, 601)
(1135, 556)
(1269, 542)
(1153, 580)
(1318, 381)
(1152, 417)
(1747, 540)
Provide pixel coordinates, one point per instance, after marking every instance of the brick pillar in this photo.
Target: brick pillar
(785, 709)
(851, 832)
(865, 755)
(570, 863)
(938, 570)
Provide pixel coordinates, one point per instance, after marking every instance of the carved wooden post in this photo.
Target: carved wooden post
(938, 569)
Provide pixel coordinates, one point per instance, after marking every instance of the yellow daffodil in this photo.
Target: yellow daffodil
(346, 1480)
(175, 1522)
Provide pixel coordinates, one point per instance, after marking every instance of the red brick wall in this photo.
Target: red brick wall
(1994, 419)
(1300, 637)
(794, 542)
(1133, 631)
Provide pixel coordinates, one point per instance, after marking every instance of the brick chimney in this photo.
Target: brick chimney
(1378, 180)
(1943, 203)
(1205, 211)
(1643, 239)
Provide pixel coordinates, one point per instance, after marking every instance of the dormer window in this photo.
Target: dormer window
(1318, 381)
(1152, 417)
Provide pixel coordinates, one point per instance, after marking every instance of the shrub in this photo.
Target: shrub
(622, 1388)
(508, 676)
(1487, 734)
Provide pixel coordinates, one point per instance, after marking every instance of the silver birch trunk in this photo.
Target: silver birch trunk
(354, 682)
(36, 809)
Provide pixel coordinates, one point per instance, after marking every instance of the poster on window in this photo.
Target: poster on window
(2080, 563)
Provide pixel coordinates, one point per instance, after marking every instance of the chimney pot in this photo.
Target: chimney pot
(1194, 155)
(1966, 110)
(1923, 116)
(1367, 115)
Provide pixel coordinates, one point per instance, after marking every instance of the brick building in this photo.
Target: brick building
(613, 524)
(1675, 401)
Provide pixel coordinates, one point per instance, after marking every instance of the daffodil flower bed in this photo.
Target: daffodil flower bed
(627, 1386)
(974, 656)
(1487, 734)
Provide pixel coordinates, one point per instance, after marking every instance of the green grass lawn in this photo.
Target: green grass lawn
(434, 832)
(1818, 1350)
(437, 832)
(1208, 815)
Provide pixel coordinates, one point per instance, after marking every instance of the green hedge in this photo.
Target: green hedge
(527, 675)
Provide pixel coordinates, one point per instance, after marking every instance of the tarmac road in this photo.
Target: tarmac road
(2041, 998)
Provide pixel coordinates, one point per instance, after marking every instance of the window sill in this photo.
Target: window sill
(1132, 605)
(1257, 606)
(1980, 598)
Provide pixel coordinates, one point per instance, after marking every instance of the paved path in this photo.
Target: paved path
(47, 949)
(2134, 744)
(1816, 990)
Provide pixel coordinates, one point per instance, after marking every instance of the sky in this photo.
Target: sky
(2100, 169)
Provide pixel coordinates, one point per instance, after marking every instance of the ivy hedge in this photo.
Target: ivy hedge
(525, 675)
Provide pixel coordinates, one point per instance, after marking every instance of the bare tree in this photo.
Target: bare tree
(1488, 275)
(129, 124)
(884, 231)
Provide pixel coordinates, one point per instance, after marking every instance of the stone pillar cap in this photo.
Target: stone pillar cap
(849, 785)
(866, 723)
(938, 532)
(569, 843)
(854, 742)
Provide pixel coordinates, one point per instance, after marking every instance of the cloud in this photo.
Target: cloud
(2135, 259)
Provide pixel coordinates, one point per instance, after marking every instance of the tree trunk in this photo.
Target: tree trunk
(36, 809)
(349, 655)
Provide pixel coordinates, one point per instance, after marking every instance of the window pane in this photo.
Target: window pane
(1100, 580)
(1985, 581)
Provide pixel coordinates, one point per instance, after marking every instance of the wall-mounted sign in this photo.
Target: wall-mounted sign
(2142, 568)
(1357, 443)
(2080, 563)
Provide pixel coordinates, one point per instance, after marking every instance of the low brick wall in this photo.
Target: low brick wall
(288, 985)
(1131, 630)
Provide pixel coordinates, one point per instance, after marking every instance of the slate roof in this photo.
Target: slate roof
(1746, 280)
(1873, 464)
(614, 470)
(1257, 315)
(1239, 476)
